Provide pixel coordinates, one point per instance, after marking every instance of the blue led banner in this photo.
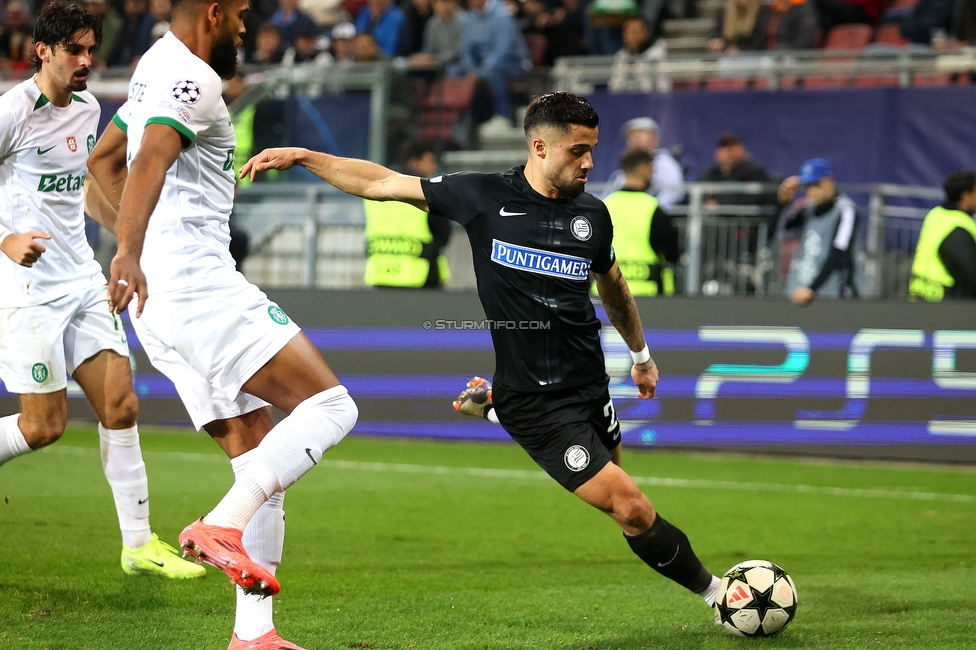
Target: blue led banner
(726, 403)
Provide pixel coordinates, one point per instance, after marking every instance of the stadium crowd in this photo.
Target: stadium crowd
(493, 43)
(501, 38)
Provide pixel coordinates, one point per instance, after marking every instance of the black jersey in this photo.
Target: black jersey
(532, 256)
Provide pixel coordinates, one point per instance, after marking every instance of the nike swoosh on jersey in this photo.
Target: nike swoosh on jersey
(505, 213)
(41, 152)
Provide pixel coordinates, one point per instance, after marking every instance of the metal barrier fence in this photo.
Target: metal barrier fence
(875, 66)
(311, 235)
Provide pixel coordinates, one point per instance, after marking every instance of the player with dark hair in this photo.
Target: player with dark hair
(228, 349)
(54, 317)
(57, 29)
(536, 236)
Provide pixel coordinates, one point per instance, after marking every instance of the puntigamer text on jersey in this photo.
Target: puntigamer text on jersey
(534, 260)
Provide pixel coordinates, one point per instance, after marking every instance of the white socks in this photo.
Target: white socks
(12, 441)
(126, 474)
(294, 446)
(709, 594)
(263, 540)
(124, 469)
(492, 416)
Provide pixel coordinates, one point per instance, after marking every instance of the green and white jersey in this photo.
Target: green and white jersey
(189, 232)
(43, 154)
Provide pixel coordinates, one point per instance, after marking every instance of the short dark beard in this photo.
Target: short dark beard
(223, 57)
(570, 191)
(78, 86)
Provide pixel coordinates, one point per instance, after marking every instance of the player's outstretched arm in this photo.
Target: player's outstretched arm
(161, 146)
(621, 309)
(107, 165)
(357, 177)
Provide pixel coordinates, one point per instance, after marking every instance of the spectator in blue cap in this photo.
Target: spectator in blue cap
(826, 262)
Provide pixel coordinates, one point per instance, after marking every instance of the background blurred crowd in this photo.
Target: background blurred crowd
(497, 38)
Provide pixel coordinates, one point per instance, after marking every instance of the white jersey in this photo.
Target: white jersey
(189, 232)
(43, 164)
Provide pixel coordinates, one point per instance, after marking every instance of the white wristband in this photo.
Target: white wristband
(640, 357)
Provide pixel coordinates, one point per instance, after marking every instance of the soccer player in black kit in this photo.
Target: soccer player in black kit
(535, 238)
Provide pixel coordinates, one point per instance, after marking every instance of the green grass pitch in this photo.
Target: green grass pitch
(399, 544)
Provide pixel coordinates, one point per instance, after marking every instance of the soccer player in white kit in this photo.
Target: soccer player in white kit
(54, 316)
(229, 350)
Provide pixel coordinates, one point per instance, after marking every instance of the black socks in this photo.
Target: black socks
(666, 549)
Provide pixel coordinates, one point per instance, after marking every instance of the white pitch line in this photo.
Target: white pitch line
(484, 472)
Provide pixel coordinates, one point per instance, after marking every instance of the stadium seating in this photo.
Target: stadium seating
(902, 4)
(890, 35)
(849, 37)
(447, 103)
(537, 45)
(877, 81)
(817, 81)
(845, 37)
(931, 79)
(719, 83)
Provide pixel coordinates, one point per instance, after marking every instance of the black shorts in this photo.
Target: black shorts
(569, 433)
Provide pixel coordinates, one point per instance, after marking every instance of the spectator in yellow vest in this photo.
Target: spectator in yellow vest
(405, 245)
(644, 239)
(945, 258)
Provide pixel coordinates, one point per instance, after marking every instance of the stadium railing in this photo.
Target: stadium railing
(311, 235)
(768, 70)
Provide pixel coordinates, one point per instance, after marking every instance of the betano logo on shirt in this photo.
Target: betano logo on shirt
(533, 260)
(66, 183)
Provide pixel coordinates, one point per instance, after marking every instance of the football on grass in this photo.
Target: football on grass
(755, 598)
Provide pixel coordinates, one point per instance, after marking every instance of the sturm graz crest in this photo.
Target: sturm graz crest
(187, 92)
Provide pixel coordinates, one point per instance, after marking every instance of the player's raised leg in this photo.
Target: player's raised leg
(298, 381)
(106, 379)
(237, 425)
(264, 536)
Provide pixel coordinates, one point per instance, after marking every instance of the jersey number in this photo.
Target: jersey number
(609, 412)
(229, 161)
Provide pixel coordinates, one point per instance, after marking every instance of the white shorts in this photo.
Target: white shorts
(41, 345)
(211, 340)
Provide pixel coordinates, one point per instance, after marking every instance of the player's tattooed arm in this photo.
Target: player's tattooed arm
(621, 309)
(357, 177)
(108, 167)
